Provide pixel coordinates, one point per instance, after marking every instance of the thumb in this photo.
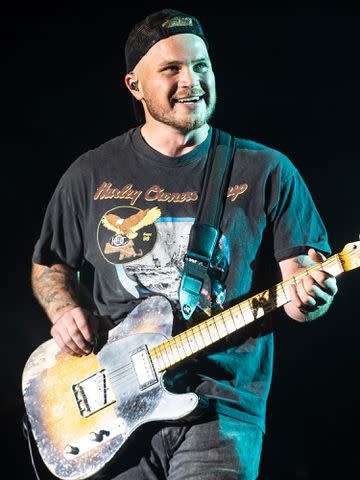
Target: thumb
(316, 256)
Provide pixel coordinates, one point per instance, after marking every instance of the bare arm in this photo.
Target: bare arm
(312, 297)
(67, 305)
(55, 289)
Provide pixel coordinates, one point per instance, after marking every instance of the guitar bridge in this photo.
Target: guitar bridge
(92, 394)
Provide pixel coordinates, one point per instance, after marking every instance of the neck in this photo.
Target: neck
(169, 141)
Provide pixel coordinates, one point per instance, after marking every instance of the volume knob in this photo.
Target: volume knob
(96, 437)
(70, 449)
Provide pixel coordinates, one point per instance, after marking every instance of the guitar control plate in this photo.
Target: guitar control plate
(86, 443)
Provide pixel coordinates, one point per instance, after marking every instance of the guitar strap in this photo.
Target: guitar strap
(205, 231)
(28, 435)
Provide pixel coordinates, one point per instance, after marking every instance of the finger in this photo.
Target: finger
(86, 324)
(306, 295)
(61, 344)
(325, 281)
(305, 307)
(316, 256)
(312, 289)
(70, 335)
(321, 296)
(300, 299)
(330, 285)
(75, 339)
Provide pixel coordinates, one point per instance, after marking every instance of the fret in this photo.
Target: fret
(336, 268)
(160, 357)
(180, 346)
(169, 352)
(228, 322)
(163, 349)
(174, 350)
(205, 334)
(192, 341)
(185, 344)
(285, 292)
(198, 337)
(244, 311)
(238, 316)
(232, 318)
(216, 325)
(180, 351)
(214, 335)
(247, 311)
(220, 324)
(155, 361)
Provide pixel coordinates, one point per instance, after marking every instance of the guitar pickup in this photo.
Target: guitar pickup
(92, 394)
(144, 368)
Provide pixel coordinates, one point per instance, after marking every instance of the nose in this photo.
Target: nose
(188, 77)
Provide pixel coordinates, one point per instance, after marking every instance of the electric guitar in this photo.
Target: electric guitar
(82, 410)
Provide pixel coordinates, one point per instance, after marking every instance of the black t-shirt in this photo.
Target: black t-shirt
(127, 210)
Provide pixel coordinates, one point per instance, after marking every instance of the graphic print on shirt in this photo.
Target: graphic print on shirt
(148, 252)
(125, 233)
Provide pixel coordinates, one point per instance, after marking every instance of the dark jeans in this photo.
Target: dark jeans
(220, 448)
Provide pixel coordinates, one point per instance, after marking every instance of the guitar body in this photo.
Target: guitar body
(83, 409)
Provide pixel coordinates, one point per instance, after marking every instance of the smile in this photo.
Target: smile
(188, 100)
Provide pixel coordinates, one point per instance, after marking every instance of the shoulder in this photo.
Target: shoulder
(262, 155)
(98, 158)
(107, 150)
(260, 159)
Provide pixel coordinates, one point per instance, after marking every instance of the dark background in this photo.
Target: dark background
(287, 78)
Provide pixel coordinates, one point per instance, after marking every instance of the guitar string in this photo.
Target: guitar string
(120, 374)
(332, 261)
(179, 339)
(168, 347)
(118, 370)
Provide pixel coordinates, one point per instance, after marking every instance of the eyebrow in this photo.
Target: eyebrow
(177, 62)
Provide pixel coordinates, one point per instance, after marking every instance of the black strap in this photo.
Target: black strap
(204, 232)
(27, 435)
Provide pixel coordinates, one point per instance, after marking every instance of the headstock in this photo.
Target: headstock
(350, 256)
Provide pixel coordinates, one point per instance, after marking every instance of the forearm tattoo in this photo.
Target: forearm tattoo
(56, 288)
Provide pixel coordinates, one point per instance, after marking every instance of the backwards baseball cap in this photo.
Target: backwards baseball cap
(153, 28)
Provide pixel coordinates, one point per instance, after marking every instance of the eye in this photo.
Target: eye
(172, 68)
(201, 67)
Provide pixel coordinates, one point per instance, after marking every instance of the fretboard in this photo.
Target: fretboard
(206, 333)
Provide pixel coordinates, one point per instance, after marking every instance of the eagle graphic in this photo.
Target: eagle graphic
(129, 227)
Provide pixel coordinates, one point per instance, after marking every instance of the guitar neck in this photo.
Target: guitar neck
(208, 332)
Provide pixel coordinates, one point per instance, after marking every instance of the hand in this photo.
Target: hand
(75, 331)
(316, 290)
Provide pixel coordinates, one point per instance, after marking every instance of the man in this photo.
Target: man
(127, 207)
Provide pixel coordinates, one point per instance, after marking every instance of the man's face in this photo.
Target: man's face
(177, 82)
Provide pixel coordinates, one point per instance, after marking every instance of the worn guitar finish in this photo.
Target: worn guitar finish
(83, 409)
(76, 443)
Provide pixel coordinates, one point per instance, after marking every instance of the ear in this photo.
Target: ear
(129, 79)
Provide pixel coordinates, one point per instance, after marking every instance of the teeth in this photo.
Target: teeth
(191, 99)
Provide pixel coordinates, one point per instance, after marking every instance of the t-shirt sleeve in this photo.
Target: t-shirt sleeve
(296, 222)
(60, 239)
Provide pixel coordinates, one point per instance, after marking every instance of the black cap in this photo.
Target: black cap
(155, 27)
